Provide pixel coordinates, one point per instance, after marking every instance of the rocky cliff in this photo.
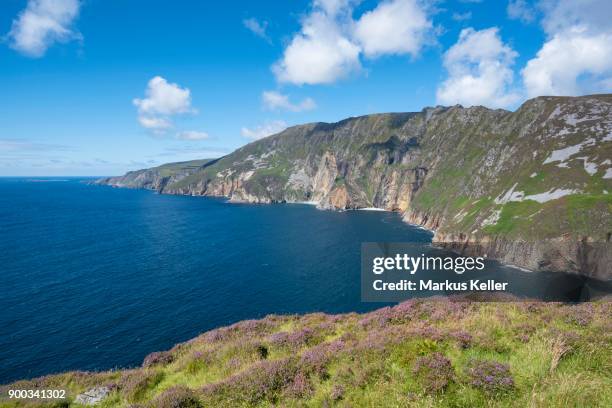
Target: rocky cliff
(529, 187)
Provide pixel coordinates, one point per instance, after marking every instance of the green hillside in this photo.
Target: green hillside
(416, 354)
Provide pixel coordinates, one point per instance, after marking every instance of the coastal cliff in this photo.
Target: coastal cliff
(529, 187)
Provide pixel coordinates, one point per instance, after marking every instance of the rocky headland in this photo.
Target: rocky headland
(530, 188)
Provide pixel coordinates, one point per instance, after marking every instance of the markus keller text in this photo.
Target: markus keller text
(472, 285)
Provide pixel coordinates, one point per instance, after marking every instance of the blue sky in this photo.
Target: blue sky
(99, 87)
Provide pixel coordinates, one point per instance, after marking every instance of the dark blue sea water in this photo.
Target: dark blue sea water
(94, 278)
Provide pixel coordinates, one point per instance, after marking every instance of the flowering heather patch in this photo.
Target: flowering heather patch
(349, 337)
(462, 337)
(581, 315)
(490, 376)
(359, 360)
(523, 332)
(136, 384)
(335, 318)
(371, 320)
(315, 360)
(292, 340)
(233, 363)
(326, 327)
(433, 311)
(252, 327)
(206, 356)
(379, 318)
(405, 310)
(534, 307)
(158, 357)
(262, 381)
(300, 386)
(379, 340)
(434, 372)
(426, 331)
(177, 397)
(335, 346)
(217, 335)
(337, 392)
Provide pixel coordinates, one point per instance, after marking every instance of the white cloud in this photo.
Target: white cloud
(25, 145)
(192, 135)
(479, 70)
(256, 27)
(394, 27)
(321, 53)
(154, 123)
(520, 10)
(163, 100)
(577, 56)
(42, 23)
(273, 100)
(564, 15)
(267, 129)
(330, 42)
(564, 59)
(333, 7)
(462, 16)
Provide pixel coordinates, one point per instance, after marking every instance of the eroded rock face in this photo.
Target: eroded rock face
(93, 396)
(539, 177)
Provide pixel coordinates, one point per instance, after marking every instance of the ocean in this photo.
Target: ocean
(95, 278)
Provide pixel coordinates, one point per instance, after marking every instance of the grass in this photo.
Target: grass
(513, 216)
(421, 353)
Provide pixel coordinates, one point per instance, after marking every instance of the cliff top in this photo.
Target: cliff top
(418, 353)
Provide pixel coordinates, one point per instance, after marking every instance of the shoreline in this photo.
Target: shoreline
(316, 204)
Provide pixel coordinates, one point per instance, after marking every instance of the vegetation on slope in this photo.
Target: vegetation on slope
(419, 353)
(463, 167)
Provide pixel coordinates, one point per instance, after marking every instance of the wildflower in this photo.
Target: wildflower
(158, 358)
(177, 397)
(294, 339)
(463, 338)
(300, 386)
(135, 385)
(490, 376)
(580, 315)
(262, 381)
(337, 392)
(434, 371)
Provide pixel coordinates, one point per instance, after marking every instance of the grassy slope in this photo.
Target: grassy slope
(170, 169)
(549, 355)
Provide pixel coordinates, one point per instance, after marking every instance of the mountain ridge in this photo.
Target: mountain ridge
(529, 187)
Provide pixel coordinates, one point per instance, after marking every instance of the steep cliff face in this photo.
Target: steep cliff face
(158, 177)
(529, 187)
